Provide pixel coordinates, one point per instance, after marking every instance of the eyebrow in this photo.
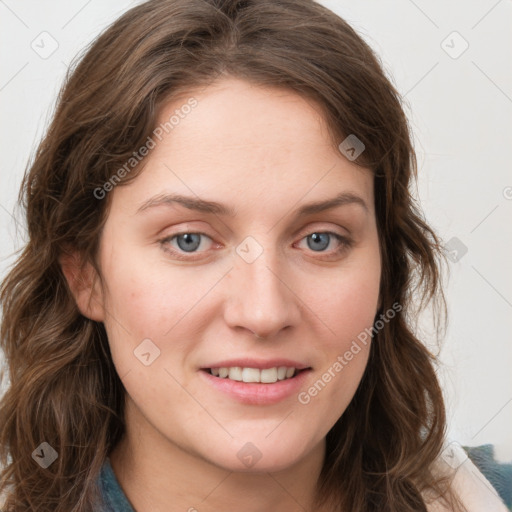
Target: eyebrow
(202, 205)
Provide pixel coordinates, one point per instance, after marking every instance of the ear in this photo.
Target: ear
(84, 284)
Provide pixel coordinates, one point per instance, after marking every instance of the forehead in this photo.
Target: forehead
(238, 115)
(248, 143)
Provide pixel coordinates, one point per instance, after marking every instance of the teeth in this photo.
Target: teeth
(269, 375)
(266, 376)
(235, 373)
(251, 375)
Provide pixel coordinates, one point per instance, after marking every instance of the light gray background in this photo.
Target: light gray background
(460, 107)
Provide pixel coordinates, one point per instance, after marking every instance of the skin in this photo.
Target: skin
(264, 152)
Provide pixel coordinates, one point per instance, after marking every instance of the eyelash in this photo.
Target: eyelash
(345, 243)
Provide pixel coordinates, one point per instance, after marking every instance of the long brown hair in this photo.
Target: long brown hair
(64, 389)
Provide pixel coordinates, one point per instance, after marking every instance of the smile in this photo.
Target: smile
(265, 376)
(254, 386)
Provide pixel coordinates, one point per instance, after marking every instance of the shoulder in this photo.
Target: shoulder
(468, 484)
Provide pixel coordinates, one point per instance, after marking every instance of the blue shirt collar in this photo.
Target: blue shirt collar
(114, 499)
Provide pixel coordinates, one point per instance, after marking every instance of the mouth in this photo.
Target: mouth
(256, 386)
(255, 375)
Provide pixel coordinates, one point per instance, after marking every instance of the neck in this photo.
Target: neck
(155, 473)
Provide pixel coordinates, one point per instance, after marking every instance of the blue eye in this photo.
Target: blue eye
(319, 241)
(189, 242)
(186, 242)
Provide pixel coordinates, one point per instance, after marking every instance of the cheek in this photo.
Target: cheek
(153, 300)
(349, 314)
(347, 303)
(150, 297)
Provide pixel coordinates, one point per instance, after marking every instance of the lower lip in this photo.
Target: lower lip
(255, 393)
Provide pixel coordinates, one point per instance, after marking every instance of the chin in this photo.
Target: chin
(267, 464)
(260, 455)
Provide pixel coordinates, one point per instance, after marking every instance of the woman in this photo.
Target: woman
(175, 339)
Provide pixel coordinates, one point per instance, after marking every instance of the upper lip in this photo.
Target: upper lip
(261, 364)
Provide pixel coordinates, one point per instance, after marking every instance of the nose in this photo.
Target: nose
(262, 299)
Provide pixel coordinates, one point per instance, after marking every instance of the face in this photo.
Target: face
(188, 283)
